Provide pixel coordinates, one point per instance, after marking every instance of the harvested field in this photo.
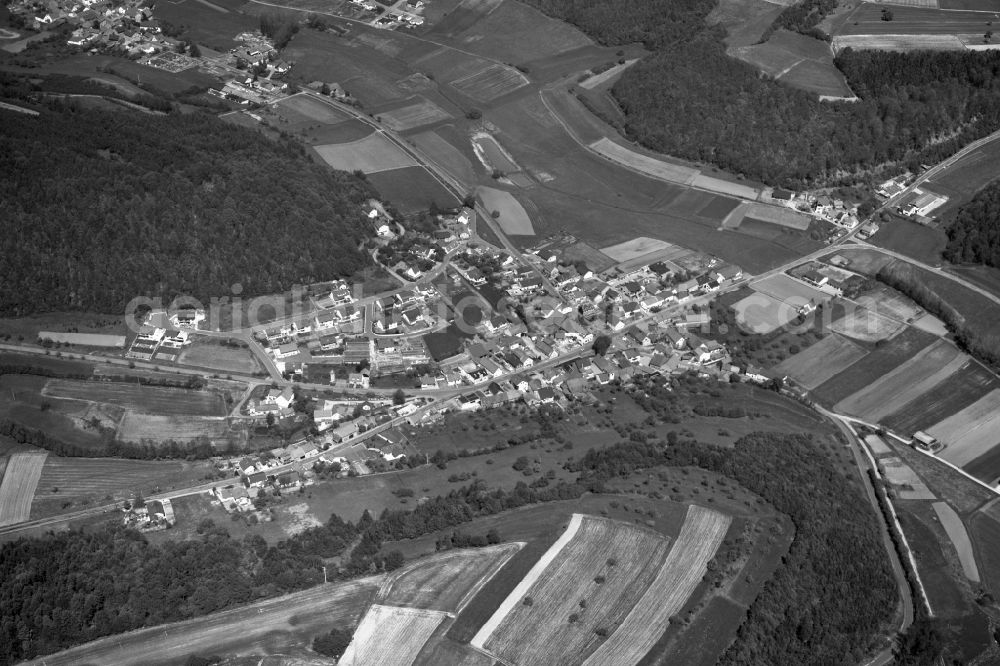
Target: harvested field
(216, 356)
(138, 398)
(918, 375)
(877, 445)
(445, 155)
(788, 290)
(515, 30)
(494, 81)
(650, 166)
(391, 636)
(637, 247)
(446, 651)
(720, 186)
(17, 487)
(898, 42)
(539, 632)
(492, 154)
(700, 537)
(719, 208)
(446, 582)
(512, 217)
(371, 154)
(412, 189)
(607, 75)
(81, 477)
(310, 108)
(762, 314)
(971, 432)
(974, 5)
(417, 114)
(136, 427)
(783, 217)
(889, 302)
(954, 394)
(959, 538)
(911, 487)
(818, 363)
(924, 27)
(876, 364)
(866, 325)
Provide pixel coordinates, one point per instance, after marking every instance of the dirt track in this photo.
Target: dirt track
(280, 625)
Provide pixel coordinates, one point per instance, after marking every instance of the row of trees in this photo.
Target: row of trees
(103, 207)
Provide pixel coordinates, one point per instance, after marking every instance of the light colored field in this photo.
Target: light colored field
(92, 476)
(898, 42)
(17, 488)
(761, 314)
(137, 427)
(606, 75)
(970, 432)
(724, 187)
(866, 325)
(513, 218)
(634, 248)
(877, 445)
(219, 357)
(424, 112)
(686, 564)
(492, 155)
(931, 324)
(491, 82)
(955, 529)
(371, 154)
(900, 474)
(784, 217)
(391, 636)
(138, 398)
(446, 582)
(889, 303)
(910, 3)
(816, 364)
(313, 109)
(541, 633)
(783, 288)
(928, 368)
(650, 166)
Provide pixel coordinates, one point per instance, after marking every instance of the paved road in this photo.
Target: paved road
(272, 626)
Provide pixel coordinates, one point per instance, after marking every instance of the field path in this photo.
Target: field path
(17, 488)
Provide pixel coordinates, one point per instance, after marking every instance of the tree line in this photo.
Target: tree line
(974, 235)
(102, 207)
(691, 100)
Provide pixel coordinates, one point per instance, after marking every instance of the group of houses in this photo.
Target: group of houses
(153, 343)
(127, 25)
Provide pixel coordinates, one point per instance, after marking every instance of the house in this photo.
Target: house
(325, 320)
(255, 480)
(358, 380)
(638, 337)
(676, 338)
(187, 318)
(695, 320)
(782, 195)
(428, 382)
(281, 398)
(470, 403)
(345, 432)
(286, 350)
(412, 316)
(287, 479)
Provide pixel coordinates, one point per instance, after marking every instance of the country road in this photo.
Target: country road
(275, 626)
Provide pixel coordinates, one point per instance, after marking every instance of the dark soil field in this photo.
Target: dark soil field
(986, 467)
(985, 534)
(974, 5)
(51, 363)
(884, 358)
(411, 189)
(985, 277)
(923, 243)
(950, 396)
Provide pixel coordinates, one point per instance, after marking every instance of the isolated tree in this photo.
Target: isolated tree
(398, 398)
(194, 51)
(601, 345)
(886, 15)
(269, 419)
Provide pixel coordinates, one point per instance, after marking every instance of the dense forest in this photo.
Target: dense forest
(974, 236)
(101, 207)
(689, 99)
(827, 602)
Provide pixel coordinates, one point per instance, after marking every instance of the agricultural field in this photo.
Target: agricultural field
(205, 24)
(984, 530)
(136, 427)
(138, 398)
(17, 486)
(882, 360)
(744, 20)
(391, 635)
(491, 82)
(970, 432)
(915, 23)
(954, 394)
(762, 314)
(866, 325)
(787, 290)
(532, 625)
(889, 302)
(93, 477)
(493, 154)
(923, 243)
(779, 215)
(414, 114)
(918, 375)
(303, 108)
(513, 29)
(412, 189)
(371, 154)
(909, 485)
(216, 356)
(953, 525)
(798, 60)
(890, 42)
(445, 155)
(950, 485)
(635, 248)
(650, 166)
(961, 181)
(446, 582)
(818, 363)
(512, 217)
